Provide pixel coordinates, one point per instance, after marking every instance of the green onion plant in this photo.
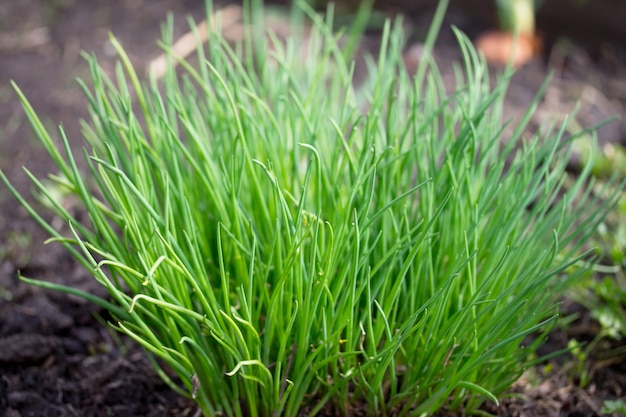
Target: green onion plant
(517, 16)
(286, 241)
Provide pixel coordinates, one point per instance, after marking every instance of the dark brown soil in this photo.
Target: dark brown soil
(57, 358)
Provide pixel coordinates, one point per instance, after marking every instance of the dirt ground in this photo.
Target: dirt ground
(57, 358)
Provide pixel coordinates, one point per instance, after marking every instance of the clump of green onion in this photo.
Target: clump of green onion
(286, 241)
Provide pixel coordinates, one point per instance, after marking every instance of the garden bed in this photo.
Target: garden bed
(57, 358)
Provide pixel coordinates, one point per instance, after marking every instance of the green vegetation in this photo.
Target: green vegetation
(517, 16)
(282, 239)
(604, 292)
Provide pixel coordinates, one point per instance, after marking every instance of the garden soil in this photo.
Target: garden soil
(57, 355)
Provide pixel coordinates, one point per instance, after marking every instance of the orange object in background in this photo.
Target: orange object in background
(498, 47)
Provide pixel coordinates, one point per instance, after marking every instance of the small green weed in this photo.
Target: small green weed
(614, 407)
(16, 247)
